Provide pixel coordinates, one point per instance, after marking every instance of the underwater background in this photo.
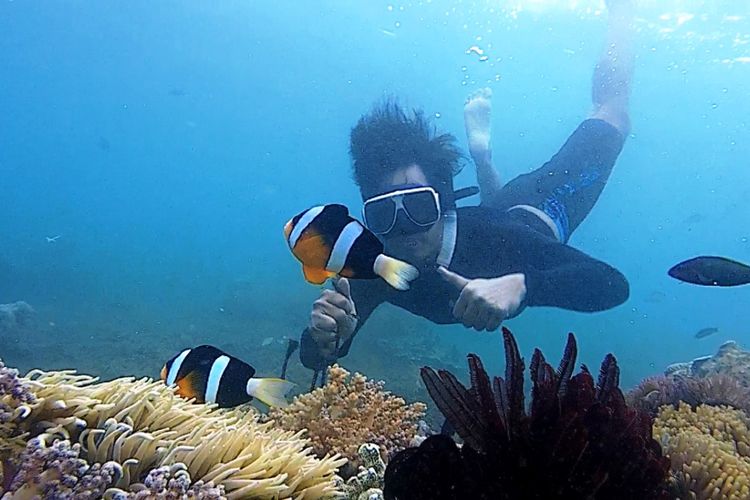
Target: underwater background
(166, 143)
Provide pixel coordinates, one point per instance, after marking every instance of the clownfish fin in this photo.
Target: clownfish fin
(270, 391)
(187, 387)
(315, 275)
(397, 273)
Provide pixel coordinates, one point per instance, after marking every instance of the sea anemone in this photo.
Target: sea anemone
(713, 390)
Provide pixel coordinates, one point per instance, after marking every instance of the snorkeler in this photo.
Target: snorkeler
(480, 265)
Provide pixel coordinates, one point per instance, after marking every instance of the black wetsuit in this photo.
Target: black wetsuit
(492, 241)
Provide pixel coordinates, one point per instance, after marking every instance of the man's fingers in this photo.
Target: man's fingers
(323, 323)
(473, 316)
(495, 322)
(454, 279)
(336, 300)
(342, 286)
(460, 307)
(335, 312)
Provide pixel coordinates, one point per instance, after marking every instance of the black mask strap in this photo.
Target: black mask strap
(462, 193)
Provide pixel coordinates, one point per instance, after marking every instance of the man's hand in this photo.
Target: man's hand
(485, 303)
(333, 318)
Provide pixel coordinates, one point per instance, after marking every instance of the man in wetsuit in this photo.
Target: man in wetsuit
(480, 265)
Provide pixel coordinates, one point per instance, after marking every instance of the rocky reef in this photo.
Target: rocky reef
(15, 315)
(729, 360)
(702, 421)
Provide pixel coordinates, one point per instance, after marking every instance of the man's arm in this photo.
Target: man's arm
(558, 275)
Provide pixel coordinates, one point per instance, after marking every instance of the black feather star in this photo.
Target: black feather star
(577, 441)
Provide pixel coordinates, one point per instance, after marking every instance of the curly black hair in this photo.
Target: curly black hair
(389, 138)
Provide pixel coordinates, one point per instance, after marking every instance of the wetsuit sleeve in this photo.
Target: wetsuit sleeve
(558, 275)
(366, 296)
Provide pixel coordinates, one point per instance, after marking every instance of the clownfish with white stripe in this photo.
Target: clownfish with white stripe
(329, 242)
(209, 375)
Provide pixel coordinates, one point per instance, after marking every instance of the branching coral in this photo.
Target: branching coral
(713, 390)
(709, 448)
(349, 411)
(578, 440)
(14, 400)
(165, 483)
(368, 483)
(142, 425)
(56, 471)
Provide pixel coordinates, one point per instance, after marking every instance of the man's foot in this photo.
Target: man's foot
(477, 120)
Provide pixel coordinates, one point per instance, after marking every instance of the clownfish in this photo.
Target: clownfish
(209, 375)
(329, 242)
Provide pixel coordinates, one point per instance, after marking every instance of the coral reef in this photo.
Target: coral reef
(14, 398)
(350, 410)
(368, 483)
(730, 360)
(714, 390)
(57, 471)
(143, 425)
(709, 448)
(167, 483)
(578, 439)
(15, 315)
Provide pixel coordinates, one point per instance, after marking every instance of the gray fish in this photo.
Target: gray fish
(103, 144)
(705, 332)
(711, 271)
(693, 219)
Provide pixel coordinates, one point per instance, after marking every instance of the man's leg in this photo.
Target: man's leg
(477, 110)
(565, 189)
(613, 73)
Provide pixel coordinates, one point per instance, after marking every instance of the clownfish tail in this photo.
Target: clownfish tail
(397, 273)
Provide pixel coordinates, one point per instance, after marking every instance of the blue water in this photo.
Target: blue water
(167, 143)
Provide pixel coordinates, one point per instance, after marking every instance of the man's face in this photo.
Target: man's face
(420, 248)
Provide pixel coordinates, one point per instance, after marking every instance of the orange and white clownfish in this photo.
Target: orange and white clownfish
(210, 375)
(329, 242)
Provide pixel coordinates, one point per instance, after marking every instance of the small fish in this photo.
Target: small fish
(711, 271)
(103, 144)
(176, 92)
(705, 332)
(694, 218)
(329, 242)
(212, 376)
(655, 297)
(53, 239)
